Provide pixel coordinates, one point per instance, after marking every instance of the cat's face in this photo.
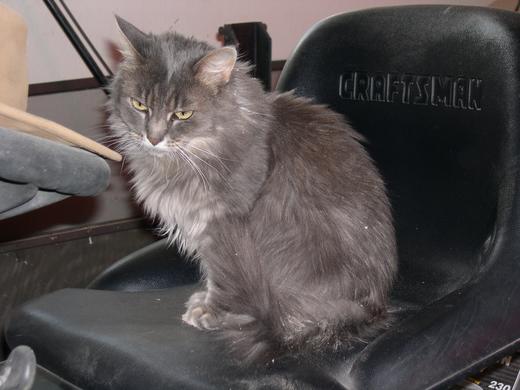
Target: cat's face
(165, 96)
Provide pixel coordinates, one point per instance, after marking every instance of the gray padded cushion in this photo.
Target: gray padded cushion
(40, 199)
(51, 166)
(14, 194)
(35, 172)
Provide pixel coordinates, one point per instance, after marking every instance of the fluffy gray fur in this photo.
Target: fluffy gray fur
(274, 195)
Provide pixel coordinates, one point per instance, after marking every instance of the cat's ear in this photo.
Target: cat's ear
(215, 68)
(135, 41)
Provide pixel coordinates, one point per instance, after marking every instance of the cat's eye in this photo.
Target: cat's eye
(138, 105)
(183, 115)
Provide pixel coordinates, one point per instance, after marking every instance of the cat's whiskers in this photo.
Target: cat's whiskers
(203, 175)
(211, 166)
(201, 159)
(219, 159)
(177, 157)
(168, 152)
(194, 166)
(123, 161)
(130, 143)
(214, 154)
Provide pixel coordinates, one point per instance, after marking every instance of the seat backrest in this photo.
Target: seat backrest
(435, 90)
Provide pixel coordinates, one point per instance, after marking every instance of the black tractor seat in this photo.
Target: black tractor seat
(435, 90)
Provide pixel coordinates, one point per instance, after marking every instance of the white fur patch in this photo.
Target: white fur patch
(183, 209)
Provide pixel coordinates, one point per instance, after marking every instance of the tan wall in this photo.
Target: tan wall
(52, 58)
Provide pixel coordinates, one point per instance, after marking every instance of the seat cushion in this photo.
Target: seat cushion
(137, 340)
(156, 266)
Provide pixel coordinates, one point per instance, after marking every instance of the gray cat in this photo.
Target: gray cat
(274, 195)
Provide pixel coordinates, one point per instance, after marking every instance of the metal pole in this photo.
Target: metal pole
(91, 47)
(78, 45)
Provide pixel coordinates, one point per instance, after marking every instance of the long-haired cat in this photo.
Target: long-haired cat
(274, 195)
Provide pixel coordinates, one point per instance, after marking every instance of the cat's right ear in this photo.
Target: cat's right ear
(135, 41)
(216, 67)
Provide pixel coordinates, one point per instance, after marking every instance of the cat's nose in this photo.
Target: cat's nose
(156, 131)
(154, 140)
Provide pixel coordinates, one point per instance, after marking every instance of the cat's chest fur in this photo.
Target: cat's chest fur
(184, 208)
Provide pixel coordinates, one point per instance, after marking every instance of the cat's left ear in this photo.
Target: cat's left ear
(215, 68)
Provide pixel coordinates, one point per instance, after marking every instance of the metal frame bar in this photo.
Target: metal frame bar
(77, 43)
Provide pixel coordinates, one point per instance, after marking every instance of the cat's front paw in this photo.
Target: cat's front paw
(199, 314)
